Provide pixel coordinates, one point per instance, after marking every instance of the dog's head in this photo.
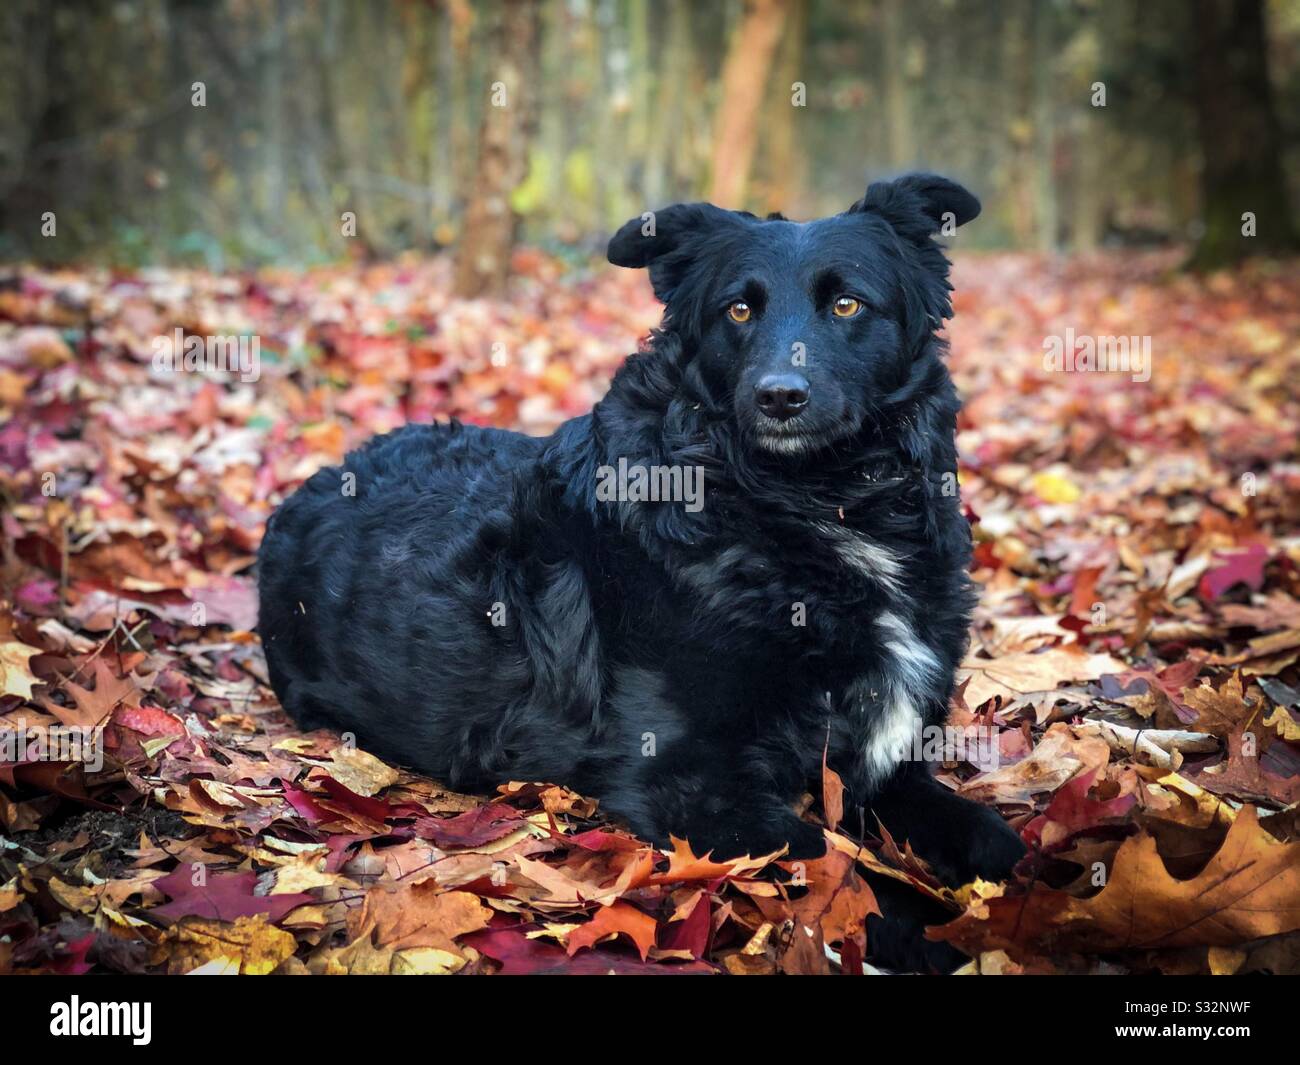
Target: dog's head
(809, 329)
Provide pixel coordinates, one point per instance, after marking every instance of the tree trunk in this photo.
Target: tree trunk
(505, 136)
(785, 170)
(898, 109)
(744, 79)
(1044, 58)
(1241, 169)
(1018, 194)
(663, 159)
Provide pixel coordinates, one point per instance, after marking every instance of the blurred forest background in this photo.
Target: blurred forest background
(1081, 123)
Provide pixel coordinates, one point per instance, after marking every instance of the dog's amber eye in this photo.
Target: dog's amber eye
(846, 307)
(739, 311)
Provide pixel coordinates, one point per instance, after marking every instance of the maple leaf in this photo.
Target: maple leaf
(1220, 712)
(418, 915)
(224, 896)
(1235, 567)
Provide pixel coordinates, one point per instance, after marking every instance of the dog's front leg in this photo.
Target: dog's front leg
(960, 839)
(730, 800)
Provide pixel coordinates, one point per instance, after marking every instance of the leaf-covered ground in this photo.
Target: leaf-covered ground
(1135, 648)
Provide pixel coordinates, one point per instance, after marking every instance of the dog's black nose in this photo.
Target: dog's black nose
(782, 395)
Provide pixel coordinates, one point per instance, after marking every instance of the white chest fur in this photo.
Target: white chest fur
(889, 704)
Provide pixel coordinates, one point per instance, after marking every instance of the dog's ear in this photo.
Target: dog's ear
(666, 241)
(920, 205)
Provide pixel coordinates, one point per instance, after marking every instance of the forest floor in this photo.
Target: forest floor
(1134, 653)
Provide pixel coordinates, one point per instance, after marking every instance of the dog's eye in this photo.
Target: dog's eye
(846, 307)
(739, 311)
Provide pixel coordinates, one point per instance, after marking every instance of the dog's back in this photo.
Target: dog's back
(374, 580)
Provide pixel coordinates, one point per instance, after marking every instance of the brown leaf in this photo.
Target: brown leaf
(1062, 753)
(419, 915)
(832, 795)
(1014, 675)
(95, 706)
(1249, 889)
(1220, 712)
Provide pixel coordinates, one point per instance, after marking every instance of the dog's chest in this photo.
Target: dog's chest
(855, 556)
(874, 640)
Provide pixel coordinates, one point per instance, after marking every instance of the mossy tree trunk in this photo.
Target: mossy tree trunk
(505, 138)
(1241, 141)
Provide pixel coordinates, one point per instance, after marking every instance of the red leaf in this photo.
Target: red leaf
(223, 896)
(1072, 811)
(473, 828)
(521, 956)
(1236, 567)
(693, 933)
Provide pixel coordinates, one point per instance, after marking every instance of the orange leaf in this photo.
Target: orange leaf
(618, 917)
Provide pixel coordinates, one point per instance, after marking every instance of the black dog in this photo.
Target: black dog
(487, 606)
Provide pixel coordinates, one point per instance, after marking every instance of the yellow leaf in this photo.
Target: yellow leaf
(17, 675)
(1287, 726)
(1054, 488)
(252, 943)
(361, 772)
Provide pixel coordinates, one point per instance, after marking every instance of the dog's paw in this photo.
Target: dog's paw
(988, 848)
(735, 836)
(997, 849)
(896, 940)
(805, 841)
(970, 841)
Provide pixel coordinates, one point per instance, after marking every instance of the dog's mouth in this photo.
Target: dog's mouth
(796, 436)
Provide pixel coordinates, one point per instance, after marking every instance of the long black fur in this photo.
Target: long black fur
(464, 601)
